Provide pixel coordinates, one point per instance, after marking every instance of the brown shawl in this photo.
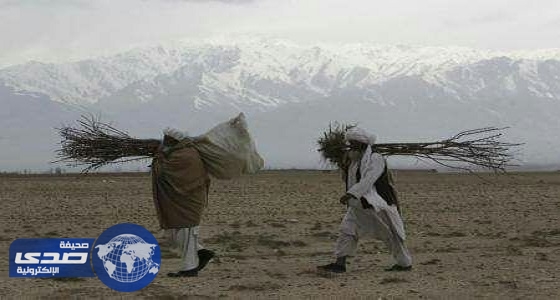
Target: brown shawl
(180, 185)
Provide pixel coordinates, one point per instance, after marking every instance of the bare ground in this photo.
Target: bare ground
(469, 238)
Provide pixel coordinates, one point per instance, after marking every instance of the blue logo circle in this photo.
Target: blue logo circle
(126, 257)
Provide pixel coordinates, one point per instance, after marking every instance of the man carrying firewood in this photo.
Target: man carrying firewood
(180, 186)
(181, 171)
(372, 204)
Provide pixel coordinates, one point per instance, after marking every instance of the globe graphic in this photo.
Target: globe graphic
(127, 258)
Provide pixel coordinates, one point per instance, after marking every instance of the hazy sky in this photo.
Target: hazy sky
(71, 29)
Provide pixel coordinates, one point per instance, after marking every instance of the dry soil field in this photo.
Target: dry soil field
(469, 238)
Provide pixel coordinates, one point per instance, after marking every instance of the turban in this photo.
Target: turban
(174, 133)
(359, 135)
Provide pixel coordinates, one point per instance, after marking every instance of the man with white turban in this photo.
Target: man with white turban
(372, 205)
(181, 172)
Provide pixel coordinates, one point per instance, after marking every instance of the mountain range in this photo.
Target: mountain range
(290, 93)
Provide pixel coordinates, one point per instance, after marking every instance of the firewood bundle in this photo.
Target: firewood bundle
(471, 148)
(94, 144)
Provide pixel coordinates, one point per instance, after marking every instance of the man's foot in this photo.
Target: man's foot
(188, 273)
(398, 268)
(204, 256)
(333, 268)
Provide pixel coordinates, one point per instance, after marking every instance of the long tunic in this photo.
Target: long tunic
(361, 179)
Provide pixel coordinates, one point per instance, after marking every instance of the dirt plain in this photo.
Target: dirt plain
(496, 238)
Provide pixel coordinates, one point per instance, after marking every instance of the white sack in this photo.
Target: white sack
(228, 150)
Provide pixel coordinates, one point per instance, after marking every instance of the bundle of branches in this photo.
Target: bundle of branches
(95, 144)
(478, 147)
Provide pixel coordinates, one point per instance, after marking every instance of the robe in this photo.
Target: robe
(362, 184)
(382, 221)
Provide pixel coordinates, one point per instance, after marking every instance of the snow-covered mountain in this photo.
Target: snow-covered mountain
(290, 93)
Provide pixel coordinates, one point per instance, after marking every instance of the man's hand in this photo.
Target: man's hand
(344, 199)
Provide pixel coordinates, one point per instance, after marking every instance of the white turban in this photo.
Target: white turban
(174, 133)
(359, 135)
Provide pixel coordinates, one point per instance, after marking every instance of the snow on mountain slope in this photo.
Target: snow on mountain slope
(244, 68)
(86, 81)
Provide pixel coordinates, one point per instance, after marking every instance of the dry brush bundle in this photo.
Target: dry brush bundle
(478, 147)
(94, 144)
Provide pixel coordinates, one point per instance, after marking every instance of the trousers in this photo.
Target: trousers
(359, 222)
(186, 240)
